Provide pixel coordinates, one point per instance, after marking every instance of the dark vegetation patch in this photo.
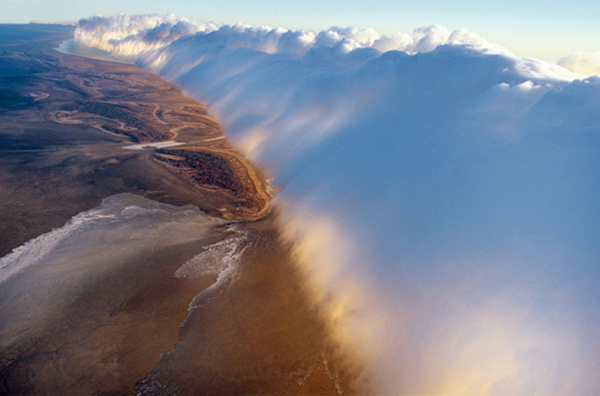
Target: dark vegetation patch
(206, 168)
(213, 171)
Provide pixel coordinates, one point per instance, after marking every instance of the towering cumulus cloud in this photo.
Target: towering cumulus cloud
(442, 191)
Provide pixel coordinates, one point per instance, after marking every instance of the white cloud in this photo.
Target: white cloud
(130, 35)
(444, 198)
(585, 63)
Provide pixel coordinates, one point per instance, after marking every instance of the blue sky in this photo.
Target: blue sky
(547, 29)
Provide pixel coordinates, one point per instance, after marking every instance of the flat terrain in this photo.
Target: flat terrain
(64, 123)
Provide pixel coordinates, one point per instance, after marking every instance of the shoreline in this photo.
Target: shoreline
(69, 47)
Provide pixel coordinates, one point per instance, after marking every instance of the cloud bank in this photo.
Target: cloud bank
(441, 190)
(132, 35)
